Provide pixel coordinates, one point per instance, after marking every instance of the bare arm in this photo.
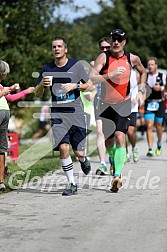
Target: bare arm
(39, 89)
(82, 86)
(98, 65)
(4, 92)
(46, 82)
(136, 63)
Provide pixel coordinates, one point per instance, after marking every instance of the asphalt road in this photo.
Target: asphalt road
(38, 218)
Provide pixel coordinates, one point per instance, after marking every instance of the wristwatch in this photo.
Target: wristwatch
(78, 85)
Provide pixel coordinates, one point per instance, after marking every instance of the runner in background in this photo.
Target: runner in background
(154, 106)
(140, 122)
(44, 122)
(95, 96)
(131, 134)
(165, 115)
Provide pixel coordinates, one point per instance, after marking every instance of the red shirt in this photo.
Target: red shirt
(116, 88)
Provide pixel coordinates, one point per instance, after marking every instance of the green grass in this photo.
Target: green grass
(40, 168)
(47, 164)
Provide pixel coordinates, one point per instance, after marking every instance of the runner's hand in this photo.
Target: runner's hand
(68, 87)
(140, 98)
(117, 71)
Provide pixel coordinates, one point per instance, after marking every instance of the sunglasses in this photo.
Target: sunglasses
(119, 39)
(105, 47)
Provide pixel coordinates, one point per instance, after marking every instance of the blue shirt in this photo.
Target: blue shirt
(72, 72)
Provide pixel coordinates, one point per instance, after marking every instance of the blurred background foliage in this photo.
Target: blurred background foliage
(27, 28)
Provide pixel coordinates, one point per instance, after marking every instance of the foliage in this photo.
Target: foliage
(24, 37)
(27, 28)
(40, 169)
(150, 28)
(144, 23)
(46, 165)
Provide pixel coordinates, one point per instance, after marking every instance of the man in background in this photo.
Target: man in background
(154, 106)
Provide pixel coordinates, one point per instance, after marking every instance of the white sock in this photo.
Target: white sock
(67, 167)
(103, 162)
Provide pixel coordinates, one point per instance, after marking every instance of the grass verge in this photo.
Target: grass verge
(48, 163)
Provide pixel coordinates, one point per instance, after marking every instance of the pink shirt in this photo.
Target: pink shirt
(14, 97)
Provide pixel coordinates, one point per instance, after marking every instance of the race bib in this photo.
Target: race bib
(153, 106)
(62, 97)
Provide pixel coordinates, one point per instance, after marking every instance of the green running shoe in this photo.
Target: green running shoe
(102, 170)
(150, 153)
(158, 151)
(127, 159)
(135, 155)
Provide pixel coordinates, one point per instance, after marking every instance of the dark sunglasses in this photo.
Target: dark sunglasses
(119, 39)
(105, 47)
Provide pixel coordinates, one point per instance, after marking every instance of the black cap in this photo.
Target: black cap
(118, 32)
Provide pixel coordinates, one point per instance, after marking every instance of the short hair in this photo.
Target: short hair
(4, 68)
(60, 38)
(106, 38)
(153, 58)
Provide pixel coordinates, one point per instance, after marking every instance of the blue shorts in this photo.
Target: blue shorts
(153, 117)
(156, 116)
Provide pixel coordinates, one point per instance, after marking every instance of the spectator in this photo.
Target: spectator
(5, 115)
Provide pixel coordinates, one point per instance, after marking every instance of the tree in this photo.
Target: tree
(24, 30)
(149, 28)
(143, 21)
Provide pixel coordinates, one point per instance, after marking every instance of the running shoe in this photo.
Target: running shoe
(135, 154)
(2, 187)
(127, 159)
(158, 151)
(85, 166)
(102, 170)
(70, 190)
(112, 167)
(116, 184)
(150, 153)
